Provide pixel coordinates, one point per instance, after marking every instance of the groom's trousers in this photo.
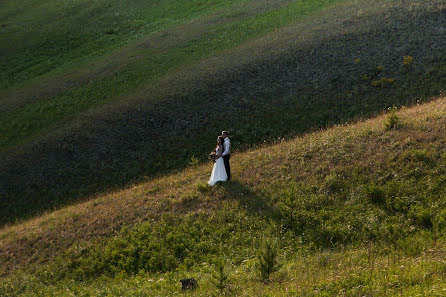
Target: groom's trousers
(227, 167)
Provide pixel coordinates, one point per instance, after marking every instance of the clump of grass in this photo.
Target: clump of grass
(392, 120)
(380, 68)
(366, 77)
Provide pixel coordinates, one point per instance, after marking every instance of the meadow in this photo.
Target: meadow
(276, 74)
(336, 110)
(352, 210)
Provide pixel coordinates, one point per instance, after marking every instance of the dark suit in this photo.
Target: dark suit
(227, 167)
(226, 156)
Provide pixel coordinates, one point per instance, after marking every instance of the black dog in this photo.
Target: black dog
(188, 283)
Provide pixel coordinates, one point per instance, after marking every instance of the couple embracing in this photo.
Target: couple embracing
(221, 170)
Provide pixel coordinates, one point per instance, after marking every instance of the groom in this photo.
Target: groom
(227, 153)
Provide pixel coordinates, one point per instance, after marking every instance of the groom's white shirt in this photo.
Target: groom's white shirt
(227, 147)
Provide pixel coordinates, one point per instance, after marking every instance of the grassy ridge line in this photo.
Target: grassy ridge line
(312, 159)
(72, 31)
(40, 117)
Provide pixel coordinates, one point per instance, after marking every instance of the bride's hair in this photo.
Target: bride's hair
(222, 141)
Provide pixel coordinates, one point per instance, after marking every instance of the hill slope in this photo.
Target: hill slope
(262, 72)
(358, 209)
(99, 123)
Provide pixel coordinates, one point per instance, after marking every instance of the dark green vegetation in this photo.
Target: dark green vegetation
(275, 72)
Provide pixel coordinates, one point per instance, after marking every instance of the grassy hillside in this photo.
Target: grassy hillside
(108, 110)
(150, 101)
(353, 210)
(40, 37)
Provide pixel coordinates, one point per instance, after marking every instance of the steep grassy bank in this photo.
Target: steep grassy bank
(355, 210)
(317, 69)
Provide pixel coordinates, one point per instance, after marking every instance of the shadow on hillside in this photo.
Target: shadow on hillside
(253, 203)
(308, 85)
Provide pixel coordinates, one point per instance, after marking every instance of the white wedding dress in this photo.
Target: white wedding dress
(219, 170)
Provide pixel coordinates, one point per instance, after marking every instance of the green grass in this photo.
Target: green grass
(38, 37)
(300, 78)
(102, 128)
(344, 206)
(41, 116)
(292, 80)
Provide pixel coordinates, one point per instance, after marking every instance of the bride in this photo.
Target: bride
(219, 170)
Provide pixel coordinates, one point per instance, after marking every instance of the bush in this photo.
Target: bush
(439, 223)
(407, 61)
(194, 161)
(392, 119)
(267, 261)
(219, 276)
(289, 203)
(376, 194)
(334, 183)
(382, 82)
(203, 187)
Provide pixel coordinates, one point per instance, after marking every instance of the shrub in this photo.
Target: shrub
(407, 61)
(203, 187)
(219, 276)
(439, 223)
(334, 183)
(267, 261)
(194, 161)
(392, 119)
(289, 204)
(376, 194)
(382, 82)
